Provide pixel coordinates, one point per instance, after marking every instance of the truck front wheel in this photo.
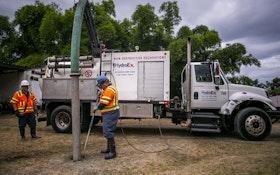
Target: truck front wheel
(252, 124)
(61, 119)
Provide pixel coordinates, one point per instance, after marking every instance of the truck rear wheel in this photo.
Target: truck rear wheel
(252, 124)
(61, 119)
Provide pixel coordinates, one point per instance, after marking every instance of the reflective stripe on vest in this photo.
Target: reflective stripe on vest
(24, 105)
(109, 97)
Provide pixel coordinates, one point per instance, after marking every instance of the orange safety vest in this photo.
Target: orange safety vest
(109, 97)
(24, 105)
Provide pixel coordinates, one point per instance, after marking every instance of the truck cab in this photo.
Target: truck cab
(211, 89)
(217, 105)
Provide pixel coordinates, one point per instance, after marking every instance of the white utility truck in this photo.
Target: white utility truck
(209, 103)
(142, 79)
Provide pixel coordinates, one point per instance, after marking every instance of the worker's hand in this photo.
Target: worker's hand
(95, 109)
(18, 114)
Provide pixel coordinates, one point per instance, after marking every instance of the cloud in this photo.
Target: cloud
(270, 68)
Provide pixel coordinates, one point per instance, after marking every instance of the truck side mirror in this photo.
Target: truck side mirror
(216, 71)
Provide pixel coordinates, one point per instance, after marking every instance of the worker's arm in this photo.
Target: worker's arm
(16, 110)
(14, 106)
(101, 106)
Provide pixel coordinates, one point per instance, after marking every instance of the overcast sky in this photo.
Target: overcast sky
(254, 23)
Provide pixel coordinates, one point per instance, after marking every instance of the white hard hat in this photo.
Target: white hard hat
(24, 83)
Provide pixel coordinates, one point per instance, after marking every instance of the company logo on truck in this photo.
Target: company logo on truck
(123, 65)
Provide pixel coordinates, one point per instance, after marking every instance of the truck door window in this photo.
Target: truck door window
(203, 73)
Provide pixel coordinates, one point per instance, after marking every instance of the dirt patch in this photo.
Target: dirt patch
(141, 148)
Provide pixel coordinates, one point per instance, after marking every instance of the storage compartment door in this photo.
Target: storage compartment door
(150, 81)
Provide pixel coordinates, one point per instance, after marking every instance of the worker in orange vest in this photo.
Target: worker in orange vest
(109, 109)
(24, 105)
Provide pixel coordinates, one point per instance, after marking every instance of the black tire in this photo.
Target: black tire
(252, 124)
(61, 119)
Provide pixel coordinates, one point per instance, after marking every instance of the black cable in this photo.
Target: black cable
(137, 149)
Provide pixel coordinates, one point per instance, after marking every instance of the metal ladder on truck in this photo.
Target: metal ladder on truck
(106, 63)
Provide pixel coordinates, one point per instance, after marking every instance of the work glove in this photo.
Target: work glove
(95, 108)
(18, 114)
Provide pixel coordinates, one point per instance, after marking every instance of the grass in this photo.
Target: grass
(206, 154)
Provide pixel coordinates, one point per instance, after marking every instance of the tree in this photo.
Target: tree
(145, 21)
(43, 31)
(106, 26)
(178, 59)
(29, 19)
(109, 7)
(245, 81)
(128, 35)
(273, 86)
(50, 34)
(65, 32)
(8, 52)
(204, 42)
(200, 30)
(184, 32)
(170, 17)
(233, 56)
(32, 51)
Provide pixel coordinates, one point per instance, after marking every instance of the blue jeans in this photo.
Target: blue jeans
(110, 120)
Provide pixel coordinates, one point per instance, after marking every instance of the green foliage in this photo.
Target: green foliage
(204, 42)
(32, 61)
(127, 37)
(65, 32)
(233, 57)
(274, 86)
(29, 19)
(7, 41)
(121, 40)
(49, 33)
(43, 31)
(145, 22)
(171, 17)
(178, 59)
(200, 30)
(5, 26)
(108, 33)
(184, 32)
(109, 7)
(244, 80)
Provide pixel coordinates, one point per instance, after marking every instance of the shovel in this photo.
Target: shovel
(89, 129)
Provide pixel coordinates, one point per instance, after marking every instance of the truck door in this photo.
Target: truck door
(150, 80)
(205, 93)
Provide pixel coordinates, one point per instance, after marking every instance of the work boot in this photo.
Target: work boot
(22, 134)
(33, 133)
(112, 154)
(107, 150)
